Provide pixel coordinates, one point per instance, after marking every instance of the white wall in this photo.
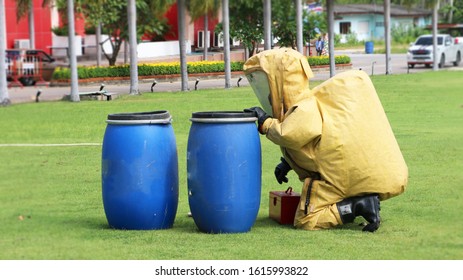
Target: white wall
(164, 48)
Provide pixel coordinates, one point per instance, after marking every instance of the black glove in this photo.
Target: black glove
(259, 113)
(281, 170)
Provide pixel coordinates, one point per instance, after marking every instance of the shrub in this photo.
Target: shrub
(153, 69)
(325, 60)
(171, 68)
(404, 34)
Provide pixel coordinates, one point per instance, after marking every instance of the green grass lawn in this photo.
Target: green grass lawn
(51, 205)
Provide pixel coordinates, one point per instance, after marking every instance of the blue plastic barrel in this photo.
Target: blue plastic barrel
(369, 47)
(224, 169)
(140, 171)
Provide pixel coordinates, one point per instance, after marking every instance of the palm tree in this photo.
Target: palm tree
(435, 64)
(182, 43)
(226, 42)
(330, 14)
(299, 39)
(203, 8)
(72, 53)
(387, 33)
(132, 15)
(267, 24)
(4, 97)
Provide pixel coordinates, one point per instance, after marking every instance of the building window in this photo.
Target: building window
(379, 24)
(344, 27)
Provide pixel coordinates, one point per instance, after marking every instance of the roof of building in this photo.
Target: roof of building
(396, 10)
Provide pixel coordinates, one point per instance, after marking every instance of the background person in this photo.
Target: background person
(319, 44)
(325, 50)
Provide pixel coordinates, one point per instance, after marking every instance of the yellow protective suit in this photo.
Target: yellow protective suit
(336, 134)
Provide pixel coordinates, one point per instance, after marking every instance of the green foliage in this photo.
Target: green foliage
(60, 30)
(351, 38)
(112, 14)
(86, 72)
(91, 29)
(312, 21)
(199, 8)
(284, 23)
(405, 34)
(458, 12)
(246, 23)
(325, 60)
(62, 73)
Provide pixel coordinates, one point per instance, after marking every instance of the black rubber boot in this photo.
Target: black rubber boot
(366, 206)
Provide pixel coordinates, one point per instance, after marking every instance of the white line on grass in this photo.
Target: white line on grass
(50, 145)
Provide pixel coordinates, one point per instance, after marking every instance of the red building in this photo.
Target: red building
(47, 17)
(19, 30)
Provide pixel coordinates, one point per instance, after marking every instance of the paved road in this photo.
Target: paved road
(373, 64)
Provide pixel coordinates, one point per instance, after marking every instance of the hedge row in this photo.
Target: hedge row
(325, 60)
(154, 69)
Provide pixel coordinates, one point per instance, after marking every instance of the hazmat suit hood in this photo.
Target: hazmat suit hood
(279, 78)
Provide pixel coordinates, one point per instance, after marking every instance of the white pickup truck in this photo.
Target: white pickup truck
(421, 52)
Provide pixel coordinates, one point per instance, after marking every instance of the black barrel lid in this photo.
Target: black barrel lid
(140, 117)
(223, 116)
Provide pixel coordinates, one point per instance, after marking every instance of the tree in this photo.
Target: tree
(132, 12)
(181, 9)
(226, 42)
(285, 27)
(435, 15)
(330, 20)
(206, 9)
(112, 14)
(267, 24)
(387, 33)
(454, 11)
(314, 23)
(72, 53)
(299, 38)
(246, 23)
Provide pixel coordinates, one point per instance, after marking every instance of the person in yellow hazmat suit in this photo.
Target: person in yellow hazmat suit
(336, 137)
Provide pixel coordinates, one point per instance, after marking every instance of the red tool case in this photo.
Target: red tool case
(283, 205)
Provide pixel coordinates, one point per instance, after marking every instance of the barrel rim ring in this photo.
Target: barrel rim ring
(222, 115)
(140, 116)
(135, 122)
(225, 120)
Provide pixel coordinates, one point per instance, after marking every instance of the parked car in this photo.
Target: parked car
(421, 52)
(28, 66)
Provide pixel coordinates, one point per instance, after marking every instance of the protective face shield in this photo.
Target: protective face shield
(259, 83)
